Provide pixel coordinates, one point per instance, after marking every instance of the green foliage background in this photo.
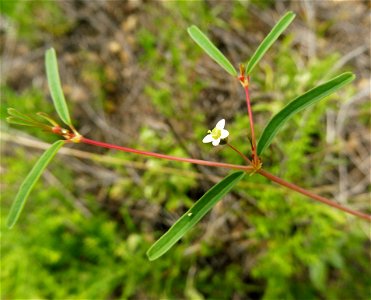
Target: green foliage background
(88, 223)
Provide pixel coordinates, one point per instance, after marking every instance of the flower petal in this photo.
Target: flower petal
(220, 125)
(207, 139)
(224, 134)
(216, 142)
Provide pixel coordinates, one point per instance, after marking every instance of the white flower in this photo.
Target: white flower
(217, 134)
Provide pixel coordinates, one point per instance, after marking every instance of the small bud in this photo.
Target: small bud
(57, 130)
(244, 80)
(242, 70)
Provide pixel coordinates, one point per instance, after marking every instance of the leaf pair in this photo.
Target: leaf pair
(18, 118)
(298, 104)
(203, 41)
(22, 119)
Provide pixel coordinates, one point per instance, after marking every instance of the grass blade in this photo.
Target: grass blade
(203, 41)
(55, 87)
(269, 40)
(193, 215)
(298, 104)
(30, 182)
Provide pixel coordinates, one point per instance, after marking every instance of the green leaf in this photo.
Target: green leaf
(14, 120)
(298, 104)
(16, 114)
(269, 40)
(48, 118)
(203, 41)
(30, 182)
(56, 87)
(193, 215)
(19, 118)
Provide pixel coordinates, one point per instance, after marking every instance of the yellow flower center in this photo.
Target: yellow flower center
(216, 133)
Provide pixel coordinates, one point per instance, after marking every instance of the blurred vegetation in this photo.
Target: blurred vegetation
(87, 225)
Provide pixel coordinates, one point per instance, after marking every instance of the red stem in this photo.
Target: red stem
(312, 195)
(239, 153)
(251, 121)
(230, 166)
(168, 157)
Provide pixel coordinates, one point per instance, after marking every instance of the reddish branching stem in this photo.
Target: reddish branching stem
(168, 157)
(231, 166)
(251, 122)
(312, 195)
(256, 163)
(245, 80)
(239, 153)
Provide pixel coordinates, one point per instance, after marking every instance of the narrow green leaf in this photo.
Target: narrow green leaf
(298, 104)
(47, 118)
(193, 215)
(30, 182)
(56, 87)
(203, 41)
(14, 120)
(15, 113)
(269, 40)
(19, 118)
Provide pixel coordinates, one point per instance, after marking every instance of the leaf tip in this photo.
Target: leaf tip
(50, 51)
(191, 28)
(289, 16)
(10, 110)
(10, 223)
(352, 75)
(150, 255)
